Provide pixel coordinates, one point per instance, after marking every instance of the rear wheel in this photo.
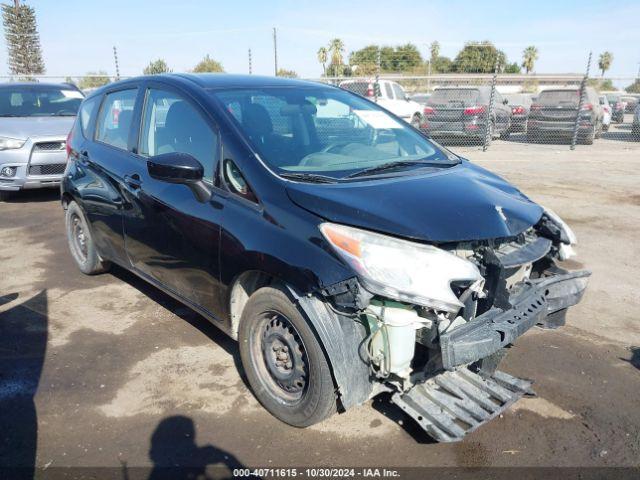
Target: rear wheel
(80, 241)
(589, 138)
(284, 361)
(4, 195)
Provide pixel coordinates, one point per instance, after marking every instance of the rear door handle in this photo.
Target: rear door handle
(133, 181)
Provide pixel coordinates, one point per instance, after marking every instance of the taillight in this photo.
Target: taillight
(428, 111)
(618, 106)
(606, 109)
(517, 110)
(535, 107)
(370, 91)
(475, 110)
(68, 144)
(587, 106)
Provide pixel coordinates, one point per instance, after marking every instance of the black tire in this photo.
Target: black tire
(293, 383)
(5, 195)
(588, 139)
(505, 134)
(416, 121)
(80, 242)
(532, 137)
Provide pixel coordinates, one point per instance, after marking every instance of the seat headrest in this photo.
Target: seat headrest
(124, 119)
(256, 119)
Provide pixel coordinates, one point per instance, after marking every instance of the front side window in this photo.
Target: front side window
(172, 124)
(116, 115)
(324, 131)
(397, 90)
(39, 101)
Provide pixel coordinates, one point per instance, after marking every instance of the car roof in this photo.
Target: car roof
(37, 85)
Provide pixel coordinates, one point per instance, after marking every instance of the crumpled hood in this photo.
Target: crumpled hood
(461, 203)
(26, 127)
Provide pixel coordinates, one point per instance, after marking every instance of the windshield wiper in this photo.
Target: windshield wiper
(397, 164)
(308, 177)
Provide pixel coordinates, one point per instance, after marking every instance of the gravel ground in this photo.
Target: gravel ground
(108, 371)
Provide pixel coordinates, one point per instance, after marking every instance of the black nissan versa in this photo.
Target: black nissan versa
(347, 253)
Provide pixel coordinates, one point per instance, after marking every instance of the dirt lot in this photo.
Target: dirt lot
(111, 372)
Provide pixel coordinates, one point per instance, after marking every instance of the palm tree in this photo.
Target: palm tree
(529, 57)
(434, 49)
(604, 62)
(323, 55)
(336, 48)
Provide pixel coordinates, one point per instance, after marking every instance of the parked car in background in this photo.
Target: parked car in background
(464, 112)
(606, 112)
(520, 104)
(421, 98)
(555, 111)
(289, 214)
(630, 103)
(389, 95)
(35, 119)
(617, 107)
(635, 126)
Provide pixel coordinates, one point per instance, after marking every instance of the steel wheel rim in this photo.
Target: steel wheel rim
(280, 357)
(78, 237)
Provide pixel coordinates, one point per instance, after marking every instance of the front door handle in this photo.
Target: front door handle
(133, 181)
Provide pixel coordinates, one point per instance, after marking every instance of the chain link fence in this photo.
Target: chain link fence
(478, 111)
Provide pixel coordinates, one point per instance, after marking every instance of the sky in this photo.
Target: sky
(78, 36)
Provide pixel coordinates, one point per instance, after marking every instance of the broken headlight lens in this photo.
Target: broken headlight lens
(399, 269)
(7, 143)
(568, 238)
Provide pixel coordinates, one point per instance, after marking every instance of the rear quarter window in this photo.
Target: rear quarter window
(86, 112)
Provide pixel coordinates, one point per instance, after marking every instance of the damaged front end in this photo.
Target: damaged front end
(438, 318)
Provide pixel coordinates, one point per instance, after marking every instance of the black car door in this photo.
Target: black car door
(171, 236)
(103, 160)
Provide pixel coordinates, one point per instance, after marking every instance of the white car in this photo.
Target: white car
(606, 109)
(390, 95)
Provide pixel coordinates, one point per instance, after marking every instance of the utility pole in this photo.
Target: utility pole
(275, 52)
(115, 58)
(16, 3)
(250, 70)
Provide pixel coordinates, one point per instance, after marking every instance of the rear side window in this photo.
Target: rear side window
(387, 89)
(173, 124)
(116, 115)
(86, 111)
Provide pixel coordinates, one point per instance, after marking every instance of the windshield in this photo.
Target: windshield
(37, 100)
(613, 98)
(559, 97)
(325, 131)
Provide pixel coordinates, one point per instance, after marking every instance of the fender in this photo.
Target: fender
(341, 338)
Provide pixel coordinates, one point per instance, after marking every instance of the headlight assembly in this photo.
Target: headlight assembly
(399, 269)
(7, 143)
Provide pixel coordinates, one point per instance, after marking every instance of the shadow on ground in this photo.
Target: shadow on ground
(23, 343)
(32, 196)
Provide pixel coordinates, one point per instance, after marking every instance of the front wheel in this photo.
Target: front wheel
(80, 241)
(284, 361)
(4, 195)
(416, 121)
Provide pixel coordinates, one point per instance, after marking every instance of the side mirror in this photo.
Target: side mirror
(407, 97)
(175, 167)
(505, 101)
(180, 168)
